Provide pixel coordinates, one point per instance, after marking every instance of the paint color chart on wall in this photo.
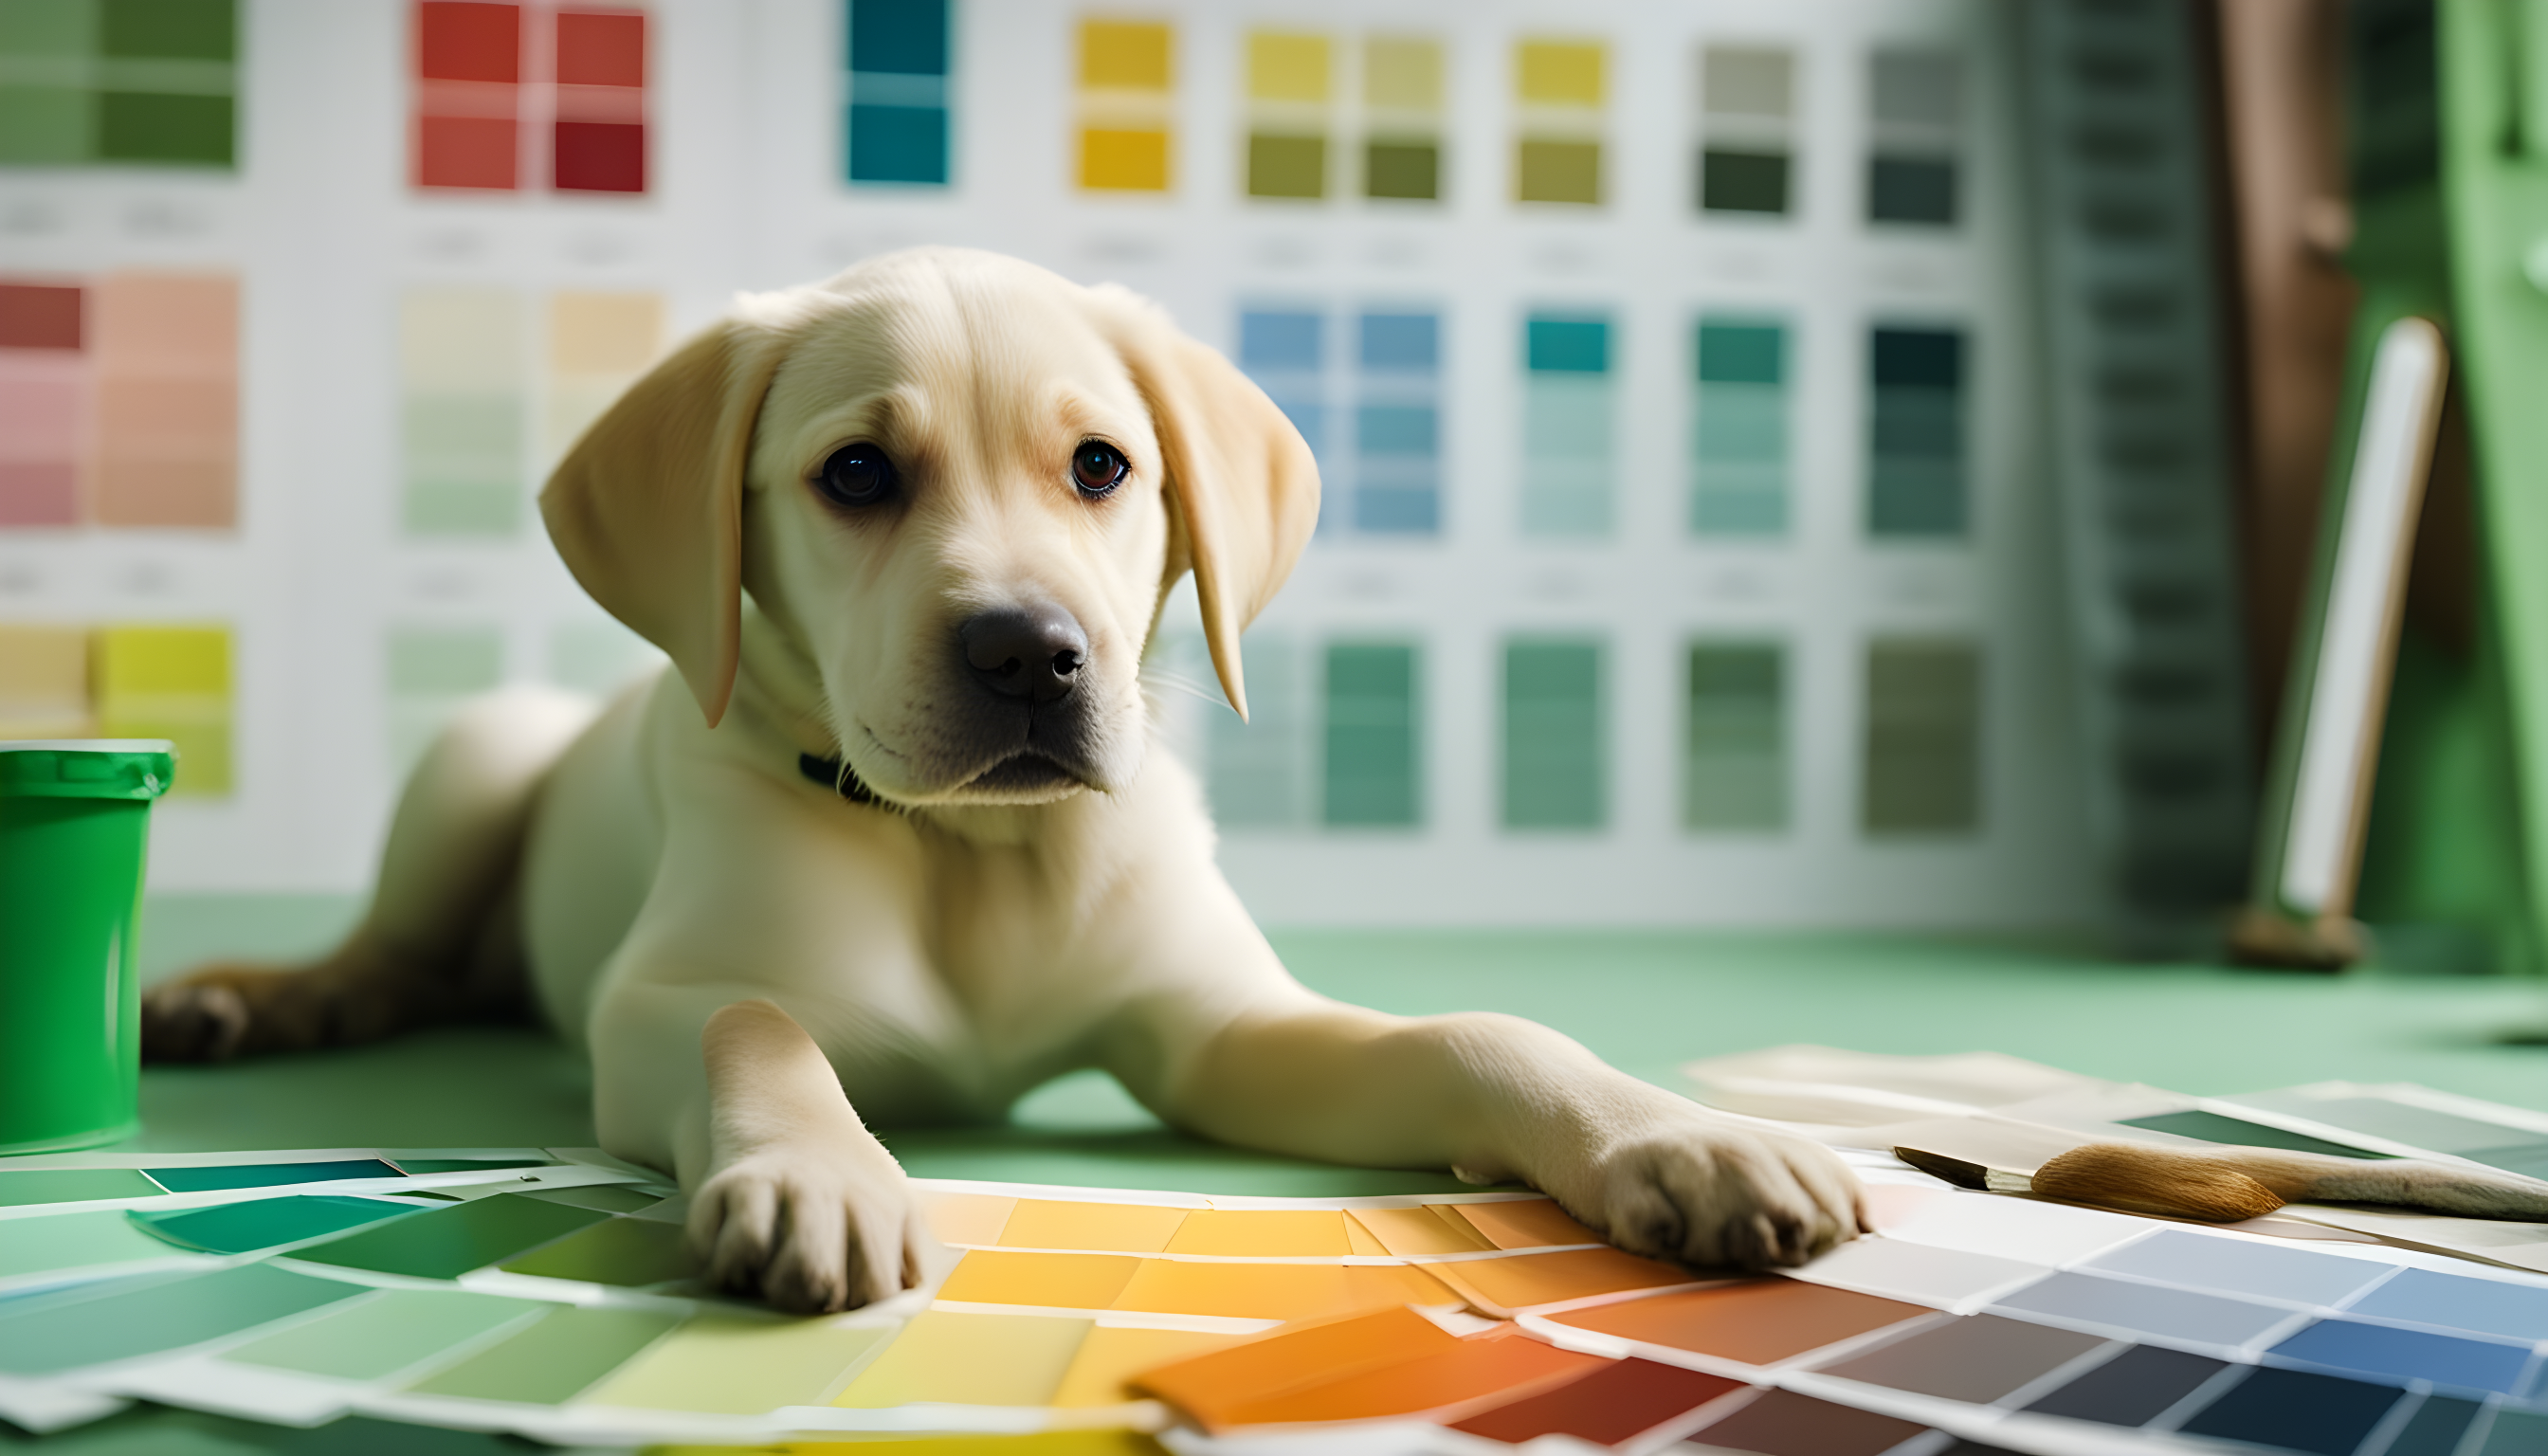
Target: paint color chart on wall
(548, 1292)
(1663, 365)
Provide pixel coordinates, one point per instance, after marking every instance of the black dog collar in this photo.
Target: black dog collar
(835, 774)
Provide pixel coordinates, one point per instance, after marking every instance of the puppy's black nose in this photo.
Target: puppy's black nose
(1033, 652)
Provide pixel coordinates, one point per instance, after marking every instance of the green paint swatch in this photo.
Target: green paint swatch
(382, 1336)
(159, 1317)
(263, 1222)
(74, 1241)
(445, 1243)
(743, 1367)
(422, 1165)
(624, 1251)
(609, 1197)
(554, 1359)
(267, 1175)
(72, 1185)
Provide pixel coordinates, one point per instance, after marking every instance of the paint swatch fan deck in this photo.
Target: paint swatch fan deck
(549, 1293)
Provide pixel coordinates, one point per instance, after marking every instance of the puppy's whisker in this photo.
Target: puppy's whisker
(1193, 690)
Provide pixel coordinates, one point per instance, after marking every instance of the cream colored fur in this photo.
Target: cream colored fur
(763, 969)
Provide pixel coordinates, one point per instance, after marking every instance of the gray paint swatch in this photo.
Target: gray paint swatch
(2131, 1388)
(2149, 1308)
(2239, 1266)
(1979, 1359)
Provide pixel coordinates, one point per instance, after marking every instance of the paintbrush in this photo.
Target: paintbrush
(2224, 1185)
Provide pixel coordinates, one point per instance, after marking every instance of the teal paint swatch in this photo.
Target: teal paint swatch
(159, 1317)
(72, 1185)
(267, 1175)
(381, 1336)
(422, 1165)
(2212, 1127)
(74, 1241)
(1554, 775)
(445, 1243)
(1739, 430)
(623, 1251)
(262, 1223)
(1370, 735)
(609, 1197)
(554, 1359)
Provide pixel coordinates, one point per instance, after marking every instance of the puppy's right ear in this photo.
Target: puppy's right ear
(647, 509)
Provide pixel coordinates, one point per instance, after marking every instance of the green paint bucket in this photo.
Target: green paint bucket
(74, 818)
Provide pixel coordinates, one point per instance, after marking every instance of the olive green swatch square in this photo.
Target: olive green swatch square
(445, 1243)
(622, 1251)
(1287, 166)
(383, 1335)
(553, 1360)
(1407, 169)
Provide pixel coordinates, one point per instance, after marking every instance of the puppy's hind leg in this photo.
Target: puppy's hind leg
(442, 937)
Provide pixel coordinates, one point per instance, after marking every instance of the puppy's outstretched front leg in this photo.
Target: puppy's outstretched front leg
(791, 1197)
(1496, 1097)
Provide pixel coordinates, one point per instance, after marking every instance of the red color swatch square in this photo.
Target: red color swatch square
(606, 50)
(463, 41)
(39, 492)
(34, 315)
(467, 151)
(600, 156)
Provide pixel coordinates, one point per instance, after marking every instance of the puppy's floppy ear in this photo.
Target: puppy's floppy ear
(1242, 485)
(647, 509)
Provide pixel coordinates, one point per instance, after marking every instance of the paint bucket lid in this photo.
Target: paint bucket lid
(86, 767)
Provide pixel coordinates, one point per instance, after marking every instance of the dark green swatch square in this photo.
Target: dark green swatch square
(221, 1178)
(2212, 1127)
(1742, 181)
(622, 1251)
(1407, 169)
(445, 1243)
(169, 30)
(148, 127)
(263, 1222)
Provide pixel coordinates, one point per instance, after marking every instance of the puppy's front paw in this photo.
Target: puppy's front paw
(1717, 1197)
(810, 1231)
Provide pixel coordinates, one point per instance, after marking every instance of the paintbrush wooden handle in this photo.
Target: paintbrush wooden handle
(2222, 1185)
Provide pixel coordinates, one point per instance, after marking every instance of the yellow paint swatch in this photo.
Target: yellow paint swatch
(1125, 56)
(43, 683)
(1560, 73)
(171, 682)
(1109, 1358)
(1117, 160)
(1263, 1233)
(1107, 1228)
(1403, 73)
(1283, 66)
(1536, 1223)
(1503, 1287)
(1043, 1443)
(968, 1218)
(740, 1367)
(1361, 1238)
(1419, 1230)
(1055, 1281)
(970, 1359)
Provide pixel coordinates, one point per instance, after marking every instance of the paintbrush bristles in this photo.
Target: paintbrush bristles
(2156, 1180)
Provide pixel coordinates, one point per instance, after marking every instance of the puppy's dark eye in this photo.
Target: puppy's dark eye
(857, 475)
(1097, 467)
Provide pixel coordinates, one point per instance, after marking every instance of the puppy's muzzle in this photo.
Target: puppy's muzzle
(1034, 653)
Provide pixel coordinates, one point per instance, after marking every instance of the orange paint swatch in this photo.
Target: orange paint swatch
(1759, 1323)
(1109, 1358)
(1237, 1291)
(1417, 1230)
(1209, 1387)
(968, 1218)
(1055, 1281)
(1110, 1228)
(1536, 1223)
(1504, 1287)
(1483, 1370)
(1262, 1234)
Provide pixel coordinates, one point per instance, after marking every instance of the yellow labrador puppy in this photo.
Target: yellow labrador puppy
(889, 843)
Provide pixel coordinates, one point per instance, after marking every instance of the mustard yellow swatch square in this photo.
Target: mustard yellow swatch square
(1099, 1227)
(1110, 1358)
(1114, 159)
(1283, 66)
(1055, 1281)
(1125, 56)
(1561, 73)
(1263, 1233)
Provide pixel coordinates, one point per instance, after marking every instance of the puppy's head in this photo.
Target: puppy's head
(963, 486)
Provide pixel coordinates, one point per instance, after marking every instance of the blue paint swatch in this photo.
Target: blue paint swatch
(267, 1175)
(263, 1222)
(2383, 1352)
(2130, 1388)
(2147, 1309)
(2455, 1302)
(159, 1317)
(2297, 1411)
(2239, 1266)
